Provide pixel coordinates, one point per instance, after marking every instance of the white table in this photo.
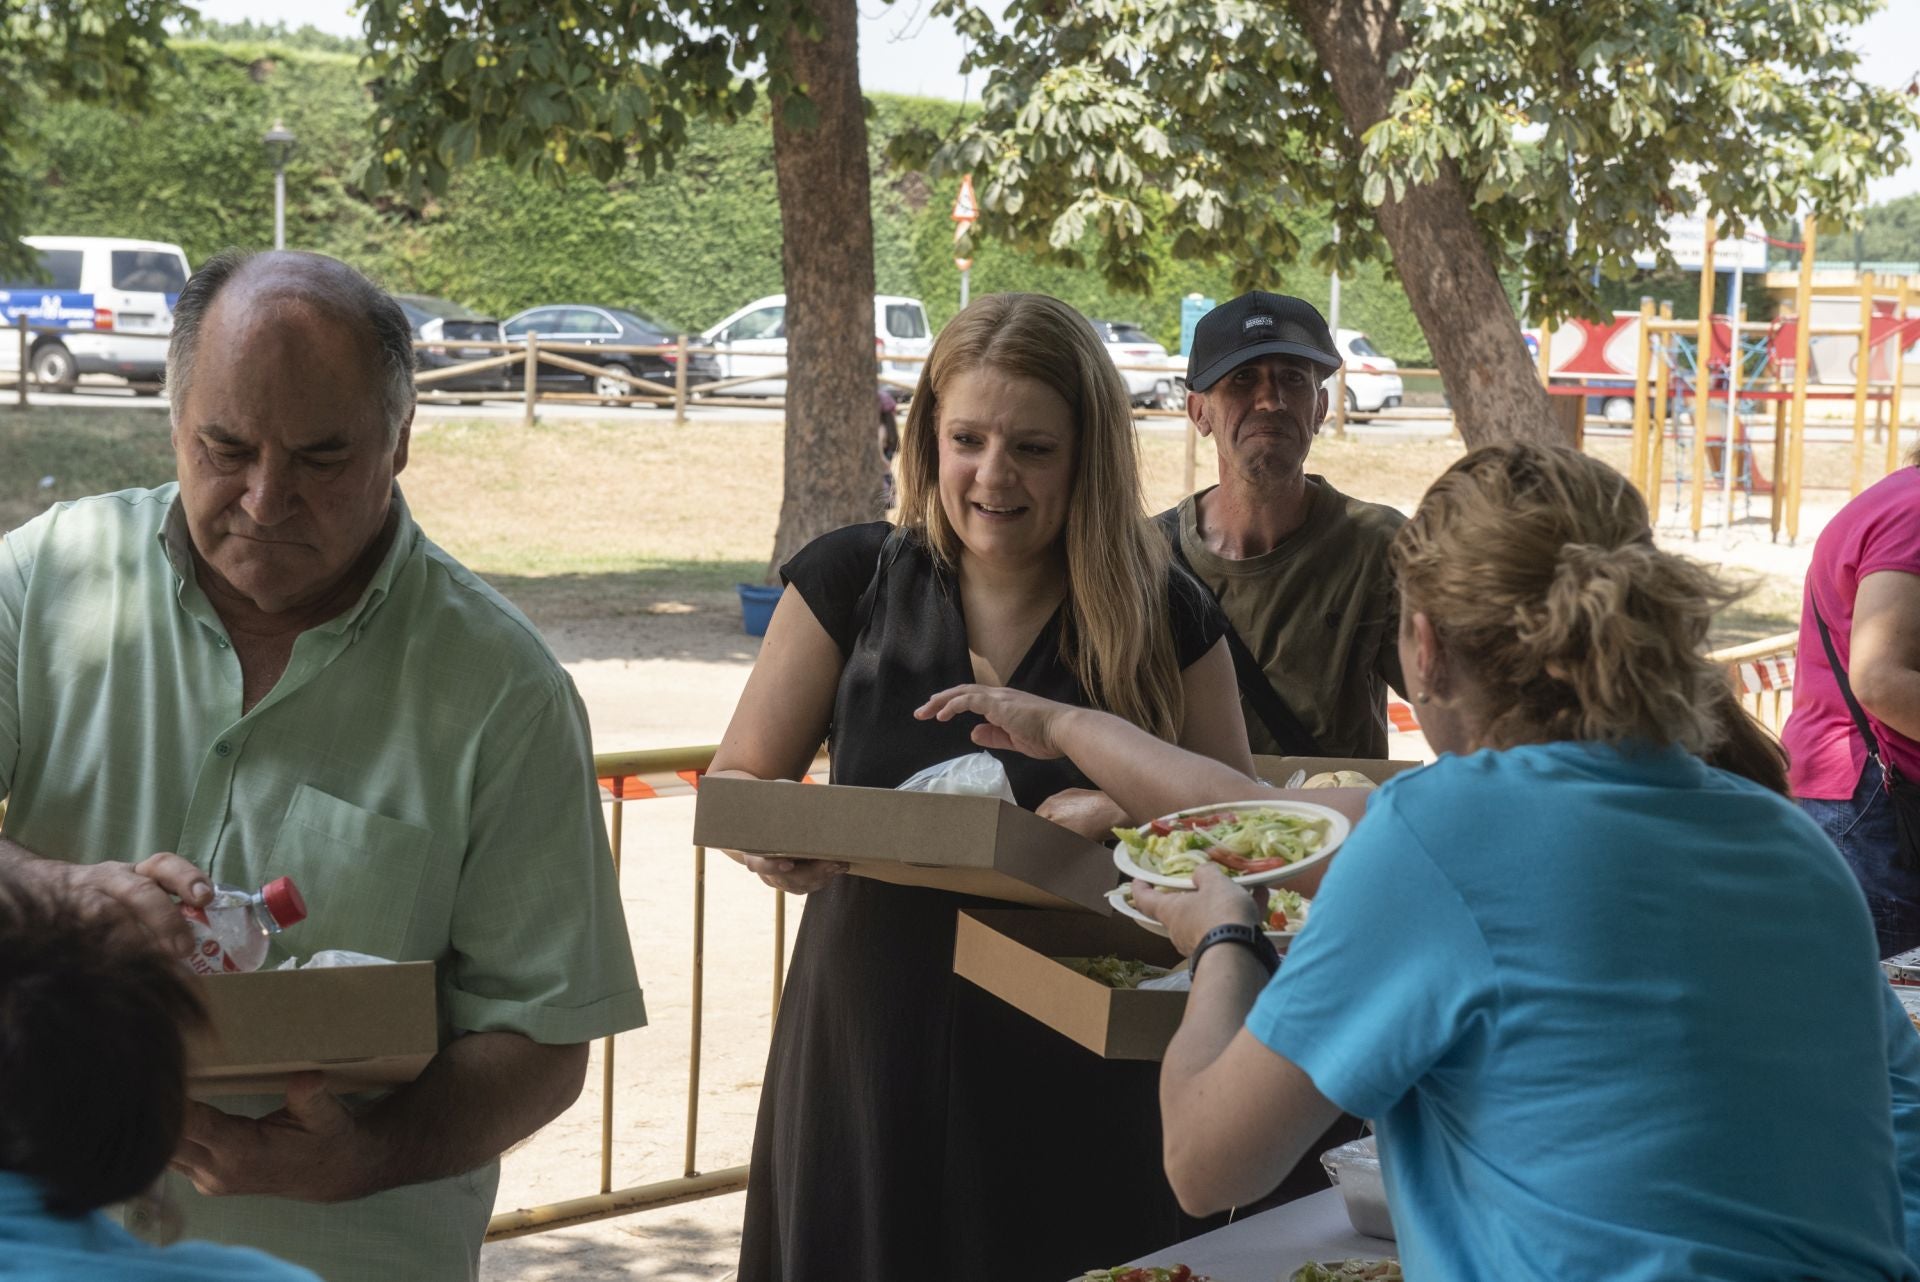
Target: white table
(1273, 1243)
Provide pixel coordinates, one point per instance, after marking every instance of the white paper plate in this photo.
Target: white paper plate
(1338, 827)
(1124, 906)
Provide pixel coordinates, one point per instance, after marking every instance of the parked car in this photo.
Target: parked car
(438, 319)
(605, 326)
(753, 341)
(1131, 346)
(1372, 381)
(112, 300)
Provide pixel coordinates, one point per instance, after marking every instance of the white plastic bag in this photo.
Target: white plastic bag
(335, 957)
(978, 774)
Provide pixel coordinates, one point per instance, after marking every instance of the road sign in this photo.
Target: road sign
(965, 208)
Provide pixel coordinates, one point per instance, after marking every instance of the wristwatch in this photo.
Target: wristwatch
(1234, 932)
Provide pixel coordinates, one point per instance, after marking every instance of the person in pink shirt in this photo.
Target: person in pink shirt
(1865, 583)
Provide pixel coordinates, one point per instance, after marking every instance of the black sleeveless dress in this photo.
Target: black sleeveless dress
(912, 1127)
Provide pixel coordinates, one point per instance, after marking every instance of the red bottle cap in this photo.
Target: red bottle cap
(284, 902)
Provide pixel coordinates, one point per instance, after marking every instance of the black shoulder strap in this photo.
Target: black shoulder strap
(1846, 689)
(1288, 732)
(890, 549)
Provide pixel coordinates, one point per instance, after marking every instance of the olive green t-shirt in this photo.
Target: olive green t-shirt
(1320, 614)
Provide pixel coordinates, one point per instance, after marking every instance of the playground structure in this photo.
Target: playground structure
(1746, 365)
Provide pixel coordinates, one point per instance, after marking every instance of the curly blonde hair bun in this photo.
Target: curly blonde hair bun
(1537, 568)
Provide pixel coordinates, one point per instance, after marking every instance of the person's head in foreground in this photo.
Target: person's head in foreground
(290, 378)
(1536, 607)
(1255, 384)
(1020, 452)
(92, 1094)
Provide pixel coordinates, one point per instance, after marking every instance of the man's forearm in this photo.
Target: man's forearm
(481, 1095)
(1145, 776)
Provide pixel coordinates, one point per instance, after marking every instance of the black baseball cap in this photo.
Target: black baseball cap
(1257, 324)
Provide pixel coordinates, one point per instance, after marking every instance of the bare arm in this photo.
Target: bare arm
(1218, 1152)
(1884, 650)
(780, 722)
(1212, 726)
(482, 1094)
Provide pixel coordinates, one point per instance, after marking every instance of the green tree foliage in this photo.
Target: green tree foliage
(1891, 232)
(305, 37)
(1598, 119)
(100, 51)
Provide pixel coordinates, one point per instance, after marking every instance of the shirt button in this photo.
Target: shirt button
(221, 642)
(223, 749)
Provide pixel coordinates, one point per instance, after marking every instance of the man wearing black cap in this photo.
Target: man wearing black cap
(1299, 568)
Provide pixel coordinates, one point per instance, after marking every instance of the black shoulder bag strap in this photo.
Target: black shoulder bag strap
(1288, 731)
(1905, 798)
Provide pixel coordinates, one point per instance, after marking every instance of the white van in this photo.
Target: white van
(754, 341)
(112, 301)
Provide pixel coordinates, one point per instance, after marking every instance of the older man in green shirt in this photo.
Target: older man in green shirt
(268, 669)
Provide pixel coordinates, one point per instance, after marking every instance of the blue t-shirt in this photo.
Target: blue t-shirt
(36, 1246)
(1615, 1015)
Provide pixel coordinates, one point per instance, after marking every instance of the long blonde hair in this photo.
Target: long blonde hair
(1118, 642)
(1537, 568)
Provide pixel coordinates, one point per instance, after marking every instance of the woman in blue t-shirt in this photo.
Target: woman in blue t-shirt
(1615, 1013)
(92, 1095)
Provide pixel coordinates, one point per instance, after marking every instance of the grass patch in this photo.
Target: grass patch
(609, 519)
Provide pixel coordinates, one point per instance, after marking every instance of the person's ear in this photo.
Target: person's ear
(1321, 401)
(1197, 413)
(1429, 660)
(400, 446)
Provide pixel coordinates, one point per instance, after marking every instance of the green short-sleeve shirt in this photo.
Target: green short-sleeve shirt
(422, 771)
(1320, 613)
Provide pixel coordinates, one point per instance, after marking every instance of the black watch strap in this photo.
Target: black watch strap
(1250, 937)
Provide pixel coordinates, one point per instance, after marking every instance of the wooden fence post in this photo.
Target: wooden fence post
(1703, 386)
(1899, 372)
(680, 388)
(1863, 372)
(533, 378)
(1642, 363)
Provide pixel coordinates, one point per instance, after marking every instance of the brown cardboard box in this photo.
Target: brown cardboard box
(364, 1026)
(975, 845)
(1277, 770)
(1011, 952)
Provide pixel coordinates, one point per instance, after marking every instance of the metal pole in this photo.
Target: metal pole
(779, 947)
(279, 206)
(964, 273)
(1733, 401)
(1864, 362)
(1702, 380)
(618, 838)
(699, 1005)
(1802, 342)
(20, 382)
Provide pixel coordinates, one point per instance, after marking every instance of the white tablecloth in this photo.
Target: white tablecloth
(1270, 1245)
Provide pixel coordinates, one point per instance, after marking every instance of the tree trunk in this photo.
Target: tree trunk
(1443, 262)
(826, 234)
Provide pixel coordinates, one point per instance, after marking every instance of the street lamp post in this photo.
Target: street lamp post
(279, 143)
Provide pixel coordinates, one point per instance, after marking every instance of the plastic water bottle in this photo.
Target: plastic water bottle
(232, 932)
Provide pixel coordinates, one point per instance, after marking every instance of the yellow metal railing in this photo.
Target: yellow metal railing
(625, 778)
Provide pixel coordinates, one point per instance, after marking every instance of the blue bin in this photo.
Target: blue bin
(756, 607)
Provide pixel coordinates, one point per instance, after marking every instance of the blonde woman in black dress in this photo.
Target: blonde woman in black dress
(912, 1127)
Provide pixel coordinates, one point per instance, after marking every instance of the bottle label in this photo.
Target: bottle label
(208, 957)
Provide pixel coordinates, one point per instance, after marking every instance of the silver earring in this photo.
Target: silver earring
(1423, 696)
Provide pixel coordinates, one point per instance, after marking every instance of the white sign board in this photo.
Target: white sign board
(1687, 239)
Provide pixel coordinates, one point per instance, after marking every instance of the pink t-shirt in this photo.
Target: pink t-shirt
(1879, 530)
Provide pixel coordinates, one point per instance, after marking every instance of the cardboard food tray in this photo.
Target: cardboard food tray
(363, 1026)
(1277, 770)
(974, 845)
(1011, 952)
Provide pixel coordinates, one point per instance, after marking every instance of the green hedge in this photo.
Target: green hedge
(690, 245)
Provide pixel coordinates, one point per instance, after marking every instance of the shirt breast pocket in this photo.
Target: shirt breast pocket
(364, 877)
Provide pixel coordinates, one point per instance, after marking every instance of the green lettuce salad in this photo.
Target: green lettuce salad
(1248, 840)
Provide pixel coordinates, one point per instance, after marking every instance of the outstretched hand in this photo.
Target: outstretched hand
(1023, 723)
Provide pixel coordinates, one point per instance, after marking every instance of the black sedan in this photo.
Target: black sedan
(606, 327)
(451, 326)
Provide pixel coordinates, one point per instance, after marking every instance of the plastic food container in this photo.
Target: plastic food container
(1355, 1168)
